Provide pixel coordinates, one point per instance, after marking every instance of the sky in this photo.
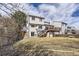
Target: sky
(66, 12)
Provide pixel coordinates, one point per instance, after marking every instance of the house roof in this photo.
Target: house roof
(38, 16)
(61, 22)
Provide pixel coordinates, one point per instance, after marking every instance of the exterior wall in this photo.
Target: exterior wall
(60, 25)
(63, 29)
(37, 22)
(57, 24)
(34, 29)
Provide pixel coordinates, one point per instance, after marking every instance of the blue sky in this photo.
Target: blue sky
(75, 13)
(36, 4)
(66, 12)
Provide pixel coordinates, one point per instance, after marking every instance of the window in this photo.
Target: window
(69, 27)
(32, 33)
(40, 26)
(40, 19)
(33, 18)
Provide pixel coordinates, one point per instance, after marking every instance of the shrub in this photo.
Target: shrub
(8, 30)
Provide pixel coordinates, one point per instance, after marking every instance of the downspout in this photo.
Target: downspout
(28, 21)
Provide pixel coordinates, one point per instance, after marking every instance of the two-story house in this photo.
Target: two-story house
(61, 25)
(34, 24)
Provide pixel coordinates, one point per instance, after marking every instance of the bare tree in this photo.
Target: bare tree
(10, 7)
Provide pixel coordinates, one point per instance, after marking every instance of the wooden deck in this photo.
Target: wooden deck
(47, 30)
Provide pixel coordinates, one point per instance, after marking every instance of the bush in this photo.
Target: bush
(8, 30)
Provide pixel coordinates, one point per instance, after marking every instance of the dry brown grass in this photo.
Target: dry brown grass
(49, 46)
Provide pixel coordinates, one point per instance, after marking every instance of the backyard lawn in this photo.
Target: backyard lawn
(48, 46)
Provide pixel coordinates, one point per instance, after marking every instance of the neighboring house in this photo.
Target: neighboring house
(61, 25)
(35, 24)
(71, 30)
(68, 30)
